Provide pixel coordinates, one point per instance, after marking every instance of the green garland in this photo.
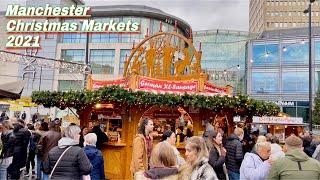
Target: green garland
(239, 105)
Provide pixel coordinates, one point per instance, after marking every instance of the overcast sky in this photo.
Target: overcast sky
(200, 14)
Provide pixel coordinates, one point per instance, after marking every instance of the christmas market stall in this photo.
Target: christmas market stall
(162, 81)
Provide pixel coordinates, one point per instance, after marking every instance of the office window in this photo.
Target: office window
(265, 82)
(295, 82)
(265, 54)
(123, 54)
(74, 37)
(67, 85)
(295, 53)
(72, 55)
(102, 61)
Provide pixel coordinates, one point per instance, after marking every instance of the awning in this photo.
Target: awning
(12, 90)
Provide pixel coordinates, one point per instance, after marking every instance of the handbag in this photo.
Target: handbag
(58, 161)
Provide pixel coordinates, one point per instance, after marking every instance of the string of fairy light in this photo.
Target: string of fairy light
(42, 62)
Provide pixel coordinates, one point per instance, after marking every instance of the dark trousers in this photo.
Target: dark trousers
(31, 160)
(18, 161)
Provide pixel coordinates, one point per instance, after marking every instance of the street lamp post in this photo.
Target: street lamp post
(309, 10)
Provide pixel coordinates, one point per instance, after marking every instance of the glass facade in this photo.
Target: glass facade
(295, 53)
(279, 71)
(123, 54)
(153, 26)
(265, 55)
(265, 82)
(66, 85)
(223, 50)
(72, 55)
(295, 82)
(102, 61)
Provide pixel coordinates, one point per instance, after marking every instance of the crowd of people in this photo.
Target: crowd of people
(214, 156)
(48, 151)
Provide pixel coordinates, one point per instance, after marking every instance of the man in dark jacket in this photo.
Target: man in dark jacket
(46, 143)
(234, 153)
(102, 137)
(22, 136)
(95, 156)
(296, 164)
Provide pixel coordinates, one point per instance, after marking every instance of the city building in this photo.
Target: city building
(281, 14)
(224, 56)
(278, 69)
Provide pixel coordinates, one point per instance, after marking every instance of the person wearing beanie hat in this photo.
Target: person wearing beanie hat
(296, 164)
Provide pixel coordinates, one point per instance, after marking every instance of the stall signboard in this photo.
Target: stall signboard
(120, 82)
(210, 88)
(277, 120)
(167, 86)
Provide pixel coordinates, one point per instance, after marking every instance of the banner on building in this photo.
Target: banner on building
(167, 86)
(96, 84)
(210, 88)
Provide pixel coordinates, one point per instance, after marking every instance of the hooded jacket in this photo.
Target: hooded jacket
(234, 153)
(74, 162)
(167, 173)
(295, 165)
(254, 168)
(96, 160)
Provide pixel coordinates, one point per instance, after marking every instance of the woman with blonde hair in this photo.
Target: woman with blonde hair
(162, 164)
(197, 166)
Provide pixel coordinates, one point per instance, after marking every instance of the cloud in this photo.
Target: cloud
(200, 14)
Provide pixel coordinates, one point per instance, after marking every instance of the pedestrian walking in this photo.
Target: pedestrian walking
(197, 166)
(95, 156)
(8, 141)
(67, 160)
(170, 138)
(217, 154)
(162, 164)
(296, 164)
(142, 147)
(234, 153)
(256, 165)
(47, 142)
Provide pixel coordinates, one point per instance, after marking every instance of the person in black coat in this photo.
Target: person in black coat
(84, 131)
(217, 156)
(102, 137)
(74, 163)
(234, 154)
(22, 137)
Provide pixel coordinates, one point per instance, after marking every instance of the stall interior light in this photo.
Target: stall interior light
(303, 41)
(285, 126)
(98, 106)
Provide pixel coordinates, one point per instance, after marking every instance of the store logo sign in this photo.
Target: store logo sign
(285, 103)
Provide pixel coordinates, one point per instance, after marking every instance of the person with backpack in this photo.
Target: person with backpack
(34, 139)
